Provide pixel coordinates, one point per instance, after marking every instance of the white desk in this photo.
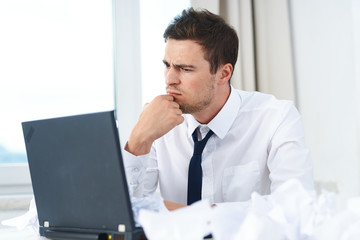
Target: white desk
(15, 234)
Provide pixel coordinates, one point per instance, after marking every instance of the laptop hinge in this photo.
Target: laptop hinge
(74, 235)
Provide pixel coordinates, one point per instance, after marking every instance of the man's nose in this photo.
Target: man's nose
(172, 76)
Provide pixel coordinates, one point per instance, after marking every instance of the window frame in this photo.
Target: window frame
(15, 179)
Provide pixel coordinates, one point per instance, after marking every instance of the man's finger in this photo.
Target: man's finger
(146, 105)
(169, 97)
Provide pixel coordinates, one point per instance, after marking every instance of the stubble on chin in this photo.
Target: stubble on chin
(191, 108)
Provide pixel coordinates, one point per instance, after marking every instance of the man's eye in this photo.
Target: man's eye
(166, 65)
(187, 69)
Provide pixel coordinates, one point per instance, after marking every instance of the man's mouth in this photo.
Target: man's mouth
(173, 93)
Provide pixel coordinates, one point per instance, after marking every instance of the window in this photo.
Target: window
(56, 59)
(154, 18)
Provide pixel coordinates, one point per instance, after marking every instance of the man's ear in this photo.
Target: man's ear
(224, 73)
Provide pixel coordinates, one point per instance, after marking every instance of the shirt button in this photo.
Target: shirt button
(136, 169)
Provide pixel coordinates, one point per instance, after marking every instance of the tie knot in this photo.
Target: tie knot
(200, 132)
(200, 145)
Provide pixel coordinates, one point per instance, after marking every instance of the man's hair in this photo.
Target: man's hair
(218, 39)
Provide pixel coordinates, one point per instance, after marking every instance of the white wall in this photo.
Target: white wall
(356, 29)
(324, 46)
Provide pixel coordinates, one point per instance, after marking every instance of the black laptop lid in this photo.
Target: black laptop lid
(77, 172)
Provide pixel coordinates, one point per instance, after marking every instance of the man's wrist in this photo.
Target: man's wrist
(138, 147)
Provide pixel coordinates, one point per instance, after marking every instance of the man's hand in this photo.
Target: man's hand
(156, 119)
(171, 206)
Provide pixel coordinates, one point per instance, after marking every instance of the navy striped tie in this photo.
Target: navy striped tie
(195, 171)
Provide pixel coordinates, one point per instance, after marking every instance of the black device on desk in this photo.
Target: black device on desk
(78, 178)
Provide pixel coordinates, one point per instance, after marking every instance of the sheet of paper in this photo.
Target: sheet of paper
(191, 223)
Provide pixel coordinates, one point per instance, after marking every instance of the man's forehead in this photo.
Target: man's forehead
(183, 52)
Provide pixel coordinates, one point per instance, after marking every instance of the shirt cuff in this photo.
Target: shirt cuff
(132, 161)
(135, 168)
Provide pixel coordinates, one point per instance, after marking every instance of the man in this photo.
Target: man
(255, 142)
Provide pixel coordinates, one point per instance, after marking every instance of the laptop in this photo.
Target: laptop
(78, 178)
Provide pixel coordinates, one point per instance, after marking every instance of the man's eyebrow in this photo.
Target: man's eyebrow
(183, 66)
(179, 65)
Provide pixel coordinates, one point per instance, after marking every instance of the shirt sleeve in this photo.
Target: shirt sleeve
(288, 156)
(141, 173)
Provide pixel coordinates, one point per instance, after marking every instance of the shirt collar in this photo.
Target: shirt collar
(222, 122)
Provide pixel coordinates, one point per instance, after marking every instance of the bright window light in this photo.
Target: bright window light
(155, 16)
(56, 59)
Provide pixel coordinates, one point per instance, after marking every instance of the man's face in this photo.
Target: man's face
(187, 75)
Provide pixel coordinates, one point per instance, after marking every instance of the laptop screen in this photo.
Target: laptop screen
(77, 172)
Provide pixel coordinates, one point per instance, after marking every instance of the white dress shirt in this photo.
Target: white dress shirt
(258, 143)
